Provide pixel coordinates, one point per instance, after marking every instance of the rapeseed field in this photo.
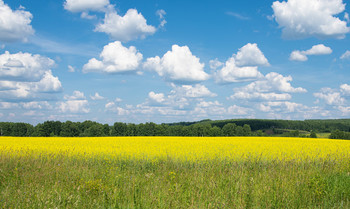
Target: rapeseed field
(182, 148)
(174, 172)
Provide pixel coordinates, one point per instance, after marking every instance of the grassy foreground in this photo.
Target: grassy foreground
(38, 179)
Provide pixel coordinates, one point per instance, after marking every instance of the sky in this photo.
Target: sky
(139, 61)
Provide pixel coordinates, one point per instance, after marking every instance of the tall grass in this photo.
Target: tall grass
(67, 182)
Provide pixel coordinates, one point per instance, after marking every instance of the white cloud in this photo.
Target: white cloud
(14, 25)
(215, 64)
(237, 110)
(77, 95)
(48, 83)
(330, 96)
(36, 105)
(298, 56)
(8, 105)
(26, 76)
(243, 66)
(319, 49)
(273, 86)
(131, 26)
(159, 98)
(196, 91)
(317, 18)
(250, 55)
(285, 106)
(85, 5)
(74, 106)
(260, 96)
(110, 106)
(344, 110)
(237, 15)
(96, 97)
(345, 89)
(161, 13)
(71, 69)
(346, 55)
(204, 109)
(86, 15)
(115, 58)
(301, 56)
(232, 73)
(75, 103)
(178, 65)
(23, 66)
(118, 99)
(346, 17)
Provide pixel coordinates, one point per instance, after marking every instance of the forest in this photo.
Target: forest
(339, 128)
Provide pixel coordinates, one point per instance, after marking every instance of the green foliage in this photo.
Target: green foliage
(337, 134)
(237, 127)
(313, 134)
(99, 182)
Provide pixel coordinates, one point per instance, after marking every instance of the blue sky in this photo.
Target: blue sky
(167, 61)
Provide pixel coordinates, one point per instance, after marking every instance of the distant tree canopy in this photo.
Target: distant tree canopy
(239, 127)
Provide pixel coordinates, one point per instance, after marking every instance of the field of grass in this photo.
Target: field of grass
(174, 172)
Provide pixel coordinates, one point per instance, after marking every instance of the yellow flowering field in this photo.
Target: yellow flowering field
(181, 148)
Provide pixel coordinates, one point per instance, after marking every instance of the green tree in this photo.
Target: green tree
(313, 134)
(94, 130)
(69, 129)
(119, 129)
(215, 131)
(247, 131)
(229, 129)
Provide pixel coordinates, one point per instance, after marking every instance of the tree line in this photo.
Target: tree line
(235, 127)
(90, 128)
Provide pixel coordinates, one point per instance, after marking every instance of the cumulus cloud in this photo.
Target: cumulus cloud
(85, 5)
(75, 103)
(14, 24)
(273, 86)
(250, 55)
(232, 73)
(190, 91)
(298, 56)
(77, 95)
(330, 96)
(346, 55)
(26, 76)
(115, 58)
(345, 89)
(131, 26)
(237, 110)
(23, 66)
(159, 98)
(180, 97)
(215, 64)
(319, 49)
(112, 107)
(287, 106)
(312, 18)
(178, 65)
(97, 96)
(242, 66)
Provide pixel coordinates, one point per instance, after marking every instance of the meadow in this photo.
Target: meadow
(174, 172)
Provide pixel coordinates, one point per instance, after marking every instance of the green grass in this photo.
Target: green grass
(61, 182)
